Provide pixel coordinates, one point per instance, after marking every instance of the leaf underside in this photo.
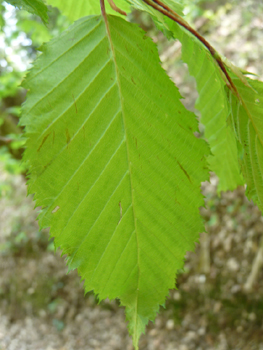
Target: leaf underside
(114, 163)
(247, 121)
(37, 7)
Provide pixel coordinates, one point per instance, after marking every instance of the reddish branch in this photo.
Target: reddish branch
(102, 7)
(115, 8)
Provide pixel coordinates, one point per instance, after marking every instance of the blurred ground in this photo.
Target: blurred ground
(43, 308)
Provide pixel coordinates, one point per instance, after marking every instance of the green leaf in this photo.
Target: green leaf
(114, 163)
(76, 9)
(214, 107)
(37, 7)
(247, 122)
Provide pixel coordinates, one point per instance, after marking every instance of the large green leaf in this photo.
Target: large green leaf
(247, 121)
(114, 163)
(75, 9)
(37, 7)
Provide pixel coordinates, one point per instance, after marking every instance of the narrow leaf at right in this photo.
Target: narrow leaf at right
(214, 107)
(247, 121)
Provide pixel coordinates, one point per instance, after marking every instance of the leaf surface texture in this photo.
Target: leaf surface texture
(114, 163)
(214, 107)
(247, 121)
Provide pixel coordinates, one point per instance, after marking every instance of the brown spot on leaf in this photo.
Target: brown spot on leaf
(75, 103)
(120, 212)
(67, 136)
(186, 174)
(55, 210)
(176, 201)
(133, 81)
(43, 141)
(45, 167)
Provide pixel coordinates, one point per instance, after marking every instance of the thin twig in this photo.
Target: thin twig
(102, 7)
(115, 8)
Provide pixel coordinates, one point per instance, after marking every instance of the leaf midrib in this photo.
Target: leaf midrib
(128, 158)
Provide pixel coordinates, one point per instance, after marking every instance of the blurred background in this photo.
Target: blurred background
(219, 301)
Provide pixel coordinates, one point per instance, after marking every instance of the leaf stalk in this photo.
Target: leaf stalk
(102, 7)
(116, 8)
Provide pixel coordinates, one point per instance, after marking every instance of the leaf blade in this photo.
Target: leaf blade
(113, 121)
(246, 117)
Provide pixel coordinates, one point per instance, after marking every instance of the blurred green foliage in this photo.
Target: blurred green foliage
(197, 8)
(36, 7)
(21, 34)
